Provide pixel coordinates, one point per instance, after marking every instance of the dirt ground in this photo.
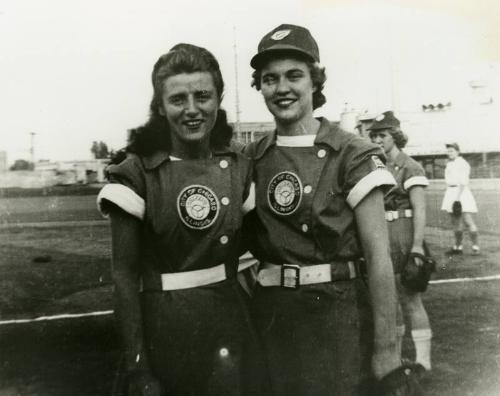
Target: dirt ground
(80, 356)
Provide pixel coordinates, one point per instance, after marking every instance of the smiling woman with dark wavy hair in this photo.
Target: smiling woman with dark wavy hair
(176, 207)
(156, 132)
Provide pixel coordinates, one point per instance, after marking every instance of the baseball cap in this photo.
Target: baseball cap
(386, 120)
(286, 38)
(453, 145)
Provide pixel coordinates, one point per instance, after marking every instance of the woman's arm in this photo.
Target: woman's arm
(417, 200)
(375, 243)
(125, 232)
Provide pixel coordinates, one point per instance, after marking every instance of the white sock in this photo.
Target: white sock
(422, 341)
(400, 333)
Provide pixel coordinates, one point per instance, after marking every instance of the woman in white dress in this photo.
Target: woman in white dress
(457, 190)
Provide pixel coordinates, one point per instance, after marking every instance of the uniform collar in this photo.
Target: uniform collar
(400, 159)
(328, 134)
(154, 160)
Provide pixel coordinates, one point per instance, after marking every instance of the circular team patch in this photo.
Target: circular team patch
(198, 206)
(284, 193)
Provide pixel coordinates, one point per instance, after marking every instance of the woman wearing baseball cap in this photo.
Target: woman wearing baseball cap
(458, 200)
(319, 210)
(405, 214)
(176, 208)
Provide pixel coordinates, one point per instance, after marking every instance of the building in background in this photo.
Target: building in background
(250, 131)
(473, 124)
(49, 173)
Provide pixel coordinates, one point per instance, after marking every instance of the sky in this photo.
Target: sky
(75, 71)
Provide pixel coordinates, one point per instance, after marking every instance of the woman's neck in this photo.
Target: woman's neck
(309, 126)
(392, 154)
(191, 151)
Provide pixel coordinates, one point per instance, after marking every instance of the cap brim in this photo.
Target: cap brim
(263, 56)
(378, 127)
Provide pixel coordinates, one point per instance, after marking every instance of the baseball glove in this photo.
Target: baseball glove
(417, 272)
(456, 208)
(402, 381)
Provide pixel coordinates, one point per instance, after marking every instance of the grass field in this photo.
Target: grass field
(79, 356)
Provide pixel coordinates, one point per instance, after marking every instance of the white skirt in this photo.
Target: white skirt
(466, 199)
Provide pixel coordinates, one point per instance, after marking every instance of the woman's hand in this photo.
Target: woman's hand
(142, 383)
(418, 249)
(383, 361)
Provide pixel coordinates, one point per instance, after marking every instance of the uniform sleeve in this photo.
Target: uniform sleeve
(125, 190)
(364, 170)
(414, 175)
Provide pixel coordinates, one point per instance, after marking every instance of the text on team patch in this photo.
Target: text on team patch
(198, 206)
(284, 193)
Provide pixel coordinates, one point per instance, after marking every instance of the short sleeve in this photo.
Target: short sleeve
(364, 170)
(126, 188)
(414, 175)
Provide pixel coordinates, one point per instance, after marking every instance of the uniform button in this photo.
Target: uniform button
(305, 227)
(225, 201)
(321, 153)
(224, 239)
(223, 164)
(224, 352)
(308, 189)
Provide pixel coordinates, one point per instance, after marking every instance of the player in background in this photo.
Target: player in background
(458, 200)
(405, 214)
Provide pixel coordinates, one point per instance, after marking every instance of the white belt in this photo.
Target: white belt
(392, 215)
(203, 277)
(291, 276)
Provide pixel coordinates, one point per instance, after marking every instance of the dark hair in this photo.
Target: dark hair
(400, 138)
(318, 77)
(155, 133)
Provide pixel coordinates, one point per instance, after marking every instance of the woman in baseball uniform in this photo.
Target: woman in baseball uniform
(405, 214)
(176, 208)
(456, 176)
(319, 209)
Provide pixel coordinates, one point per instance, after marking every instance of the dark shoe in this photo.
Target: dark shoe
(454, 251)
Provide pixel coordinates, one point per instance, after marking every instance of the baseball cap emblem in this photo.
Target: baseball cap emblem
(280, 34)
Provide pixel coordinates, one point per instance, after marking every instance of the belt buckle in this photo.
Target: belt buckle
(290, 276)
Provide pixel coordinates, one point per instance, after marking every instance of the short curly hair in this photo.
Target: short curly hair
(318, 77)
(400, 138)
